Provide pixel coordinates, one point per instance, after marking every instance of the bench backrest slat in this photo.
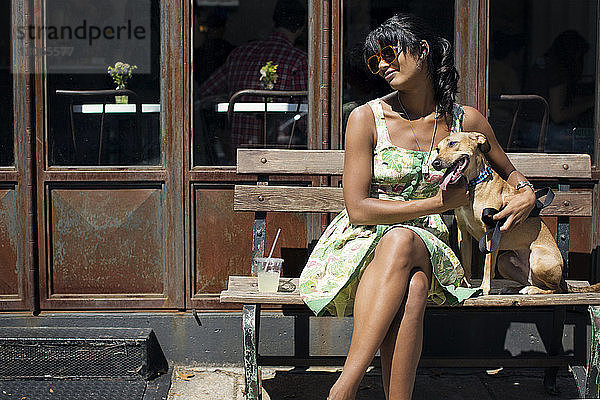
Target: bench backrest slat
(553, 166)
(331, 162)
(288, 198)
(272, 161)
(331, 199)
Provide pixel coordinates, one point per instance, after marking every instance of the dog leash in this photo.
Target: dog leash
(488, 213)
(539, 205)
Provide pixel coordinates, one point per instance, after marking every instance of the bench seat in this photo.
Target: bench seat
(244, 290)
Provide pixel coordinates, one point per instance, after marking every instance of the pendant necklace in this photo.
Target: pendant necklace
(424, 163)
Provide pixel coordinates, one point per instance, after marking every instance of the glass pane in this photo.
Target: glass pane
(7, 152)
(360, 17)
(228, 55)
(545, 53)
(89, 122)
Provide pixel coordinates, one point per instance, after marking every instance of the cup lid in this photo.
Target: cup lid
(268, 259)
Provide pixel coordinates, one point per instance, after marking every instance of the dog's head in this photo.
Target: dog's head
(461, 154)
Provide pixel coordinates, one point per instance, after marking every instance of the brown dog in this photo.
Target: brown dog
(535, 260)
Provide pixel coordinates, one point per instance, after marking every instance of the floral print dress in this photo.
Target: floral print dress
(330, 278)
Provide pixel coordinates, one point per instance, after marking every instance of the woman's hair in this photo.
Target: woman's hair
(407, 31)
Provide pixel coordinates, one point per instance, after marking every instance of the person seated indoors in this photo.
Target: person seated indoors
(242, 70)
(556, 76)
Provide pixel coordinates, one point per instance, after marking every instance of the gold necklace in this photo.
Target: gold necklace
(424, 164)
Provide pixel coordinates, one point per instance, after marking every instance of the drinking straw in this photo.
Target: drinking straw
(274, 241)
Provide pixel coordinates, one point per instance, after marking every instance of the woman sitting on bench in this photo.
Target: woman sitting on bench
(386, 255)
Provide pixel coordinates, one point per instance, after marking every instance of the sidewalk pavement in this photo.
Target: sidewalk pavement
(287, 383)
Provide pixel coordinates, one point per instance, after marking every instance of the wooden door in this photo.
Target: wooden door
(108, 176)
(16, 245)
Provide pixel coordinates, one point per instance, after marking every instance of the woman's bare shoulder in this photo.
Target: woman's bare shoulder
(361, 117)
(361, 125)
(472, 115)
(362, 113)
(474, 121)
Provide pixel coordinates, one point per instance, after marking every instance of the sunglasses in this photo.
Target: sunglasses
(389, 54)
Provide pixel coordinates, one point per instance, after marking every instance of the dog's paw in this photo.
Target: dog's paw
(509, 290)
(485, 290)
(531, 290)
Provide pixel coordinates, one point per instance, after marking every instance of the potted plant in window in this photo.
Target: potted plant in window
(268, 75)
(120, 73)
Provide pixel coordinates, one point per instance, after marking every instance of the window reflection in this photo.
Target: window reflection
(360, 17)
(79, 40)
(545, 52)
(7, 157)
(229, 54)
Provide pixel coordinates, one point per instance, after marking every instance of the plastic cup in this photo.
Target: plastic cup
(268, 271)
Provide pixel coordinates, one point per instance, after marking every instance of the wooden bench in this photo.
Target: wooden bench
(569, 175)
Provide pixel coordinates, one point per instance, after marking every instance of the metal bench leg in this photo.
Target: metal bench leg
(250, 326)
(301, 336)
(560, 313)
(555, 348)
(592, 388)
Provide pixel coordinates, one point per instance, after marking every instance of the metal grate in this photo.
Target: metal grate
(89, 389)
(127, 353)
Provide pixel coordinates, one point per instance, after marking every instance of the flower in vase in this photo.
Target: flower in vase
(268, 75)
(120, 73)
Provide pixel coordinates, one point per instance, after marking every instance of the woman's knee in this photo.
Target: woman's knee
(402, 248)
(400, 245)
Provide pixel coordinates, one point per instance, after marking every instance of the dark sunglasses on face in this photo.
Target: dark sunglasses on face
(389, 54)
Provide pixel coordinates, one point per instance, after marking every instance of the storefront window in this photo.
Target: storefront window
(233, 41)
(542, 70)
(7, 153)
(89, 122)
(360, 17)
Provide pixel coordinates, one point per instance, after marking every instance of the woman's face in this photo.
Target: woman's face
(405, 72)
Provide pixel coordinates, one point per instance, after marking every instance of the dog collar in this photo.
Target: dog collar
(487, 172)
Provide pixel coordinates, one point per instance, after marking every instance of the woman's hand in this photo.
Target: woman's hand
(456, 195)
(516, 209)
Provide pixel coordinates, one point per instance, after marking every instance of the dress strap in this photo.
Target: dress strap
(457, 118)
(382, 131)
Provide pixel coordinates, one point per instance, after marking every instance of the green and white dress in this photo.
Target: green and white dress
(329, 280)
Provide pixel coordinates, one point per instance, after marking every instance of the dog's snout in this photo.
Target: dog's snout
(437, 164)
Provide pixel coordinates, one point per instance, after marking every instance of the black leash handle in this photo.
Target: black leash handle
(488, 213)
(486, 217)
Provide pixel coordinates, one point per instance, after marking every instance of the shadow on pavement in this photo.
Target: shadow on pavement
(431, 383)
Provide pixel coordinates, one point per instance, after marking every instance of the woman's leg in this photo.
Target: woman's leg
(386, 351)
(401, 348)
(379, 296)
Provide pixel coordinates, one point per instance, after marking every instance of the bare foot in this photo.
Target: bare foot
(485, 289)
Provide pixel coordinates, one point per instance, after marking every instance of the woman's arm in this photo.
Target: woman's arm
(358, 168)
(516, 208)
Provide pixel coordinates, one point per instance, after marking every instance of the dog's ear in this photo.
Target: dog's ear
(482, 142)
